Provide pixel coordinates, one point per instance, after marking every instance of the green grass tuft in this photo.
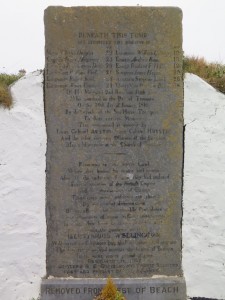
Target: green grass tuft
(213, 73)
(5, 81)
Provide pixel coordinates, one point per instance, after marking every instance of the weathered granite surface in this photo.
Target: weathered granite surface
(114, 117)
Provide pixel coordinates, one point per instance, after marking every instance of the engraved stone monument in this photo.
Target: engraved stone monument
(114, 118)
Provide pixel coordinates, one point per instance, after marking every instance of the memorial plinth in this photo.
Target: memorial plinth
(114, 118)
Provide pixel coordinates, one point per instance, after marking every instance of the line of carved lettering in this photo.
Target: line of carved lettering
(124, 290)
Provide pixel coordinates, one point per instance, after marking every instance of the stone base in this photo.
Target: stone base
(162, 288)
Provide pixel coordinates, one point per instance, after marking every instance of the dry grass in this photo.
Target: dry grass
(5, 96)
(110, 292)
(213, 73)
(5, 81)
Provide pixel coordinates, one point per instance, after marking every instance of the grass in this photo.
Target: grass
(213, 73)
(110, 292)
(5, 81)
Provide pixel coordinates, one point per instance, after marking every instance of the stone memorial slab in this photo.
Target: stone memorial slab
(114, 118)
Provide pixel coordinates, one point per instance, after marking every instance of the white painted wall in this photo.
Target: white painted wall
(204, 189)
(22, 191)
